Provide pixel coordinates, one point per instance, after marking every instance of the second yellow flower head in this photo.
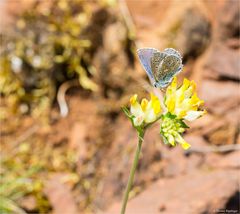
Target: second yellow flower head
(183, 101)
(146, 111)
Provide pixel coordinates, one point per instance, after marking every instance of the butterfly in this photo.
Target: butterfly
(160, 67)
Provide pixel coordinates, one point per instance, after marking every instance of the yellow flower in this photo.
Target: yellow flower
(146, 111)
(183, 101)
(171, 130)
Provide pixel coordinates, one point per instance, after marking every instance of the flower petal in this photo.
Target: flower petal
(137, 121)
(193, 115)
(181, 141)
(144, 104)
(150, 116)
(133, 99)
(135, 108)
(183, 101)
(171, 140)
(185, 145)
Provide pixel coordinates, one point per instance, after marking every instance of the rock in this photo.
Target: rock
(28, 203)
(78, 140)
(202, 122)
(176, 163)
(194, 34)
(217, 131)
(159, 28)
(60, 196)
(195, 192)
(228, 161)
(215, 94)
(151, 150)
(228, 24)
(224, 135)
(233, 43)
(232, 115)
(207, 125)
(222, 63)
(179, 162)
(114, 37)
(196, 141)
(148, 17)
(120, 153)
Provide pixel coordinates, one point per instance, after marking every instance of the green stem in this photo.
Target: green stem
(132, 172)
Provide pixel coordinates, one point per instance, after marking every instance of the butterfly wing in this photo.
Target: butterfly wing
(160, 67)
(156, 59)
(171, 51)
(145, 55)
(168, 68)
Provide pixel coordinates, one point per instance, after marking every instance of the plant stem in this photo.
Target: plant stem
(132, 172)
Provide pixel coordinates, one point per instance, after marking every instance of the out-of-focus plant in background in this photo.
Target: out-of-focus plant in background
(23, 171)
(17, 180)
(45, 48)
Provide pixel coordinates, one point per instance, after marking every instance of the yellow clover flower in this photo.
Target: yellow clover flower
(171, 129)
(183, 101)
(146, 111)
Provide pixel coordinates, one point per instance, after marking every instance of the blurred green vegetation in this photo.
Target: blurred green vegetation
(17, 180)
(25, 169)
(46, 47)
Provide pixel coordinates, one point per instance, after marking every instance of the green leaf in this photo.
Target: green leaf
(9, 206)
(183, 125)
(128, 114)
(126, 111)
(169, 115)
(165, 141)
(139, 129)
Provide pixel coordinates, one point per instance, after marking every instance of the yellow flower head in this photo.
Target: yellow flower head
(183, 101)
(171, 130)
(147, 111)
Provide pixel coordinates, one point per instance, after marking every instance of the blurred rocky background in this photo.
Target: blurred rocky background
(66, 69)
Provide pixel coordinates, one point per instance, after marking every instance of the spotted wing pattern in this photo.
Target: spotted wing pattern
(156, 59)
(160, 67)
(168, 68)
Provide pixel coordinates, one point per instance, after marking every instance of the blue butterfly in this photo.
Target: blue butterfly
(160, 67)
